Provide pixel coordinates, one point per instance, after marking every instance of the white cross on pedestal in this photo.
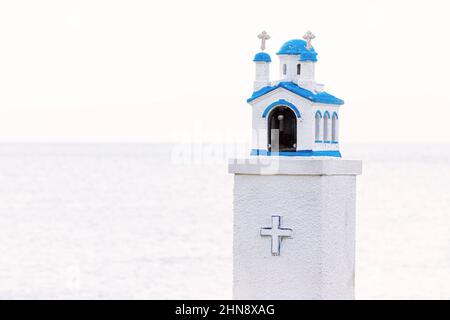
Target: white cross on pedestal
(263, 36)
(277, 233)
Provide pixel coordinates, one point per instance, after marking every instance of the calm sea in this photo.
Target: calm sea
(127, 221)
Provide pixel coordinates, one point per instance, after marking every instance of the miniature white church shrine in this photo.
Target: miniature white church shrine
(294, 197)
(293, 116)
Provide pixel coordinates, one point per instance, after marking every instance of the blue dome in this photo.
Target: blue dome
(298, 47)
(308, 56)
(262, 56)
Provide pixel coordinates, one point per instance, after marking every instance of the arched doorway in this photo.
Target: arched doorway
(282, 130)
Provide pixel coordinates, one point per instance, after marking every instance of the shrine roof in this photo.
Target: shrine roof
(318, 97)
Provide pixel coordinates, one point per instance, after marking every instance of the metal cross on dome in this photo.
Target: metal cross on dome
(276, 233)
(308, 37)
(263, 36)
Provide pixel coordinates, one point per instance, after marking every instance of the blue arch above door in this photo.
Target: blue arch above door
(281, 102)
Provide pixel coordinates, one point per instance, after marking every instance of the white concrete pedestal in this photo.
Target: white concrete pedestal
(311, 253)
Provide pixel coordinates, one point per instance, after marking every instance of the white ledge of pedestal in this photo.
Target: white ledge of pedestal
(294, 166)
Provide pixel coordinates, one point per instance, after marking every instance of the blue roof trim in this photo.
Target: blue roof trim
(262, 57)
(321, 97)
(301, 153)
(261, 92)
(308, 55)
(281, 102)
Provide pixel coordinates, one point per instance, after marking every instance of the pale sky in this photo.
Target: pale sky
(146, 71)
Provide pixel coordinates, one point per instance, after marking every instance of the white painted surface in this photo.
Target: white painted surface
(306, 79)
(291, 61)
(262, 75)
(307, 73)
(316, 199)
(294, 166)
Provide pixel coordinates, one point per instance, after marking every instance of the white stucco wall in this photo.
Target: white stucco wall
(291, 62)
(316, 199)
(307, 76)
(262, 75)
(307, 73)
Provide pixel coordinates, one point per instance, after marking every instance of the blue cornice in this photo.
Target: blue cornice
(301, 153)
(281, 102)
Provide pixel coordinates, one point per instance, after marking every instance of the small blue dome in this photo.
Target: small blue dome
(263, 57)
(308, 55)
(298, 47)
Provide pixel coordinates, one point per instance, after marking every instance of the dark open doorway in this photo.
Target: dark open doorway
(282, 130)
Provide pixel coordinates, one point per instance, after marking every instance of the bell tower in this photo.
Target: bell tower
(262, 64)
(307, 62)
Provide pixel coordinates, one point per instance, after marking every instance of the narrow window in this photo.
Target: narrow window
(318, 121)
(284, 69)
(334, 128)
(326, 117)
(299, 68)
